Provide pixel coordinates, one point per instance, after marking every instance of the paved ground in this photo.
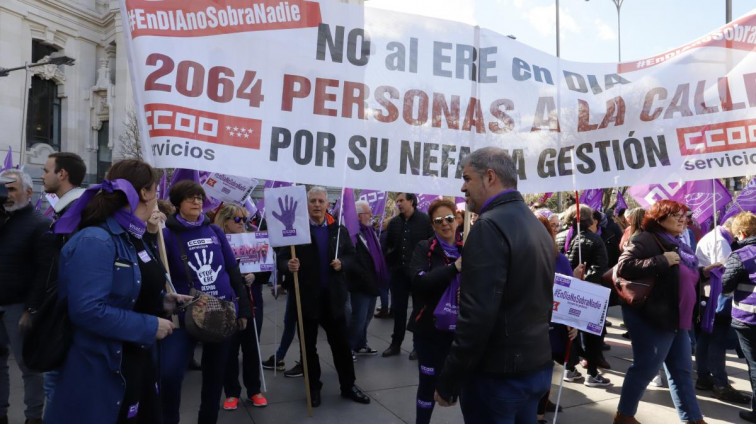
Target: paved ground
(391, 383)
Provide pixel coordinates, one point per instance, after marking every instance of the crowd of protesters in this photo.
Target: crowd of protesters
(482, 331)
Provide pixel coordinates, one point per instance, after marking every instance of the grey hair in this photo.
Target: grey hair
(586, 216)
(316, 190)
(26, 180)
(495, 159)
(361, 203)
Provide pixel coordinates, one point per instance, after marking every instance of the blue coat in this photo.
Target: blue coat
(100, 276)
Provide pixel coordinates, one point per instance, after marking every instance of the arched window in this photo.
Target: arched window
(43, 114)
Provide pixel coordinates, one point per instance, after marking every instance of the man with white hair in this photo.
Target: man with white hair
(367, 276)
(24, 262)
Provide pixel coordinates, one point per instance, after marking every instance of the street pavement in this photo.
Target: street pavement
(391, 383)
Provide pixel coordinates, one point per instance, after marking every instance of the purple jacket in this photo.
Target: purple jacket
(210, 261)
(740, 278)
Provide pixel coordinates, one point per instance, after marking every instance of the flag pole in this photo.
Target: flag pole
(301, 336)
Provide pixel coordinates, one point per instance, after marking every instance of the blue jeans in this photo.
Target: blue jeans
(384, 298)
(176, 351)
(290, 324)
(50, 380)
(362, 312)
(710, 354)
(747, 339)
(651, 348)
(485, 399)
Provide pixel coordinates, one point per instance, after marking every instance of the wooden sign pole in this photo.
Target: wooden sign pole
(301, 337)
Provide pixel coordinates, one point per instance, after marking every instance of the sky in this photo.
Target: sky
(588, 27)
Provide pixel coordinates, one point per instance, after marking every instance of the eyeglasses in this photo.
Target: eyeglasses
(448, 218)
(195, 198)
(678, 215)
(240, 219)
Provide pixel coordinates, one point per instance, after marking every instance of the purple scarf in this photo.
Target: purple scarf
(189, 224)
(727, 236)
(687, 256)
(381, 270)
(70, 220)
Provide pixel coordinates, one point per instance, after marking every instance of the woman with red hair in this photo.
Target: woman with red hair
(660, 326)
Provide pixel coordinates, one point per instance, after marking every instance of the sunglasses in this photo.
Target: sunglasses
(240, 219)
(448, 218)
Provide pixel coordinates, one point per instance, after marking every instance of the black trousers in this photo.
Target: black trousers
(400, 293)
(336, 334)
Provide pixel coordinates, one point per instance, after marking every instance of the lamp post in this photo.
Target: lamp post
(618, 3)
(57, 59)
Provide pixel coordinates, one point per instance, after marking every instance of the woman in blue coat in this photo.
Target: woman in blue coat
(113, 283)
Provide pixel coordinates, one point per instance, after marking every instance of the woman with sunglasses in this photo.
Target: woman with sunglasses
(436, 265)
(199, 257)
(232, 219)
(660, 326)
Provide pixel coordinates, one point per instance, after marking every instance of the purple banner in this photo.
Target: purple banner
(699, 196)
(349, 211)
(746, 201)
(376, 199)
(592, 198)
(8, 163)
(424, 201)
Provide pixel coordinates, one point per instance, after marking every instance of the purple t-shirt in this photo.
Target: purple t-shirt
(687, 293)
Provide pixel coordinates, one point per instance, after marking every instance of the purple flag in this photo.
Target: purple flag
(699, 196)
(746, 201)
(592, 198)
(335, 208)
(424, 201)
(376, 199)
(8, 164)
(545, 197)
(349, 218)
(180, 174)
(38, 205)
(621, 204)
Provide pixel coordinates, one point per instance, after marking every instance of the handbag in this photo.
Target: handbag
(448, 307)
(212, 319)
(634, 293)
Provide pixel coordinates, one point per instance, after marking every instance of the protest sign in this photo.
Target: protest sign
(580, 304)
(253, 250)
(228, 188)
(328, 92)
(286, 215)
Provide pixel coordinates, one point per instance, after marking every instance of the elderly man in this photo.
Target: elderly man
(321, 266)
(367, 276)
(24, 264)
(500, 361)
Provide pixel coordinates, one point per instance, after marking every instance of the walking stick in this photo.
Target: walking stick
(259, 357)
(301, 337)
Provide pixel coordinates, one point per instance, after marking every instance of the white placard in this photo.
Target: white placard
(229, 188)
(253, 250)
(580, 304)
(286, 215)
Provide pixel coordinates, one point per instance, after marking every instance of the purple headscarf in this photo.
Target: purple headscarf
(70, 220)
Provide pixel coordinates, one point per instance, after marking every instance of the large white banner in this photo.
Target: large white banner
(336, 94)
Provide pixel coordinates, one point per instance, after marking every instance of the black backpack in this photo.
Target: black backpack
(46, 344)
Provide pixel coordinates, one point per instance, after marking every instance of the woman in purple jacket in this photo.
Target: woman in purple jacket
(212, 267)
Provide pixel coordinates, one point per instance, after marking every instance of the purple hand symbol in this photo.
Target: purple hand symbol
(288, 208)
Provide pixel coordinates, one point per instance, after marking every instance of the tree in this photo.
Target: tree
(130, 146)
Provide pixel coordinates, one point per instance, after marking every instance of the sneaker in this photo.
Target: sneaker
(295, 371)
(658, 381)
(259, 400)
(230, 404)
(367, 350)
(572, 375)
(271, 363)
(354, 357)
(597, 381)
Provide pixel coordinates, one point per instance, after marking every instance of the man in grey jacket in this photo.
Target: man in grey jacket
(500, 361)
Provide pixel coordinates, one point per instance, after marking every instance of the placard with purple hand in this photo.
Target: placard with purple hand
(286, 215)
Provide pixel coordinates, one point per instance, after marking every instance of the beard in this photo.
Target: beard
(15, 206)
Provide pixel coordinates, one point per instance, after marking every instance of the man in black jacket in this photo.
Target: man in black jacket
(402, 235)
(500, 360)
(321, 266)
(24, 263)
